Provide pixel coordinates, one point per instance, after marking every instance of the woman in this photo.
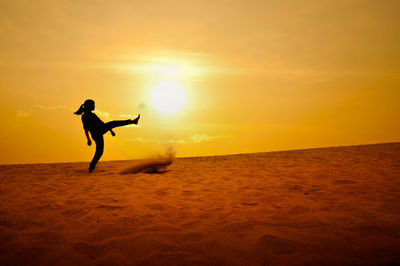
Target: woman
(97, 128)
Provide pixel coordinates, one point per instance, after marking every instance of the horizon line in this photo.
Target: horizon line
(215, 155)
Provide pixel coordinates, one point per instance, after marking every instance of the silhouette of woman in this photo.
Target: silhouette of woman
(97, 128)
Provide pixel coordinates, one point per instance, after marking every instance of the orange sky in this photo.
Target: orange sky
(258, 75)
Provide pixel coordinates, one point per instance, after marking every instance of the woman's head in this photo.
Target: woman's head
(86, 107)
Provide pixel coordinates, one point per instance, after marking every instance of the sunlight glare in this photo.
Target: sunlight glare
(168, 97)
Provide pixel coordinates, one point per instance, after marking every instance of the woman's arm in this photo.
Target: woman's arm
(89, 141)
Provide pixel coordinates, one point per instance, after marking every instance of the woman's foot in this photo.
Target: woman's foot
(136, 120)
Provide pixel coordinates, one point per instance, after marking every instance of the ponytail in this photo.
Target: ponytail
(87, 106)
(80, 110)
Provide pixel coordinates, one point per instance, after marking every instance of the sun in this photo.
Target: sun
(168, 97)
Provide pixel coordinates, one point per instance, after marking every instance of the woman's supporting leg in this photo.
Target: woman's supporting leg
(99, 152)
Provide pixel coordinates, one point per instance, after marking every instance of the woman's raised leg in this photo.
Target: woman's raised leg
(119, 123)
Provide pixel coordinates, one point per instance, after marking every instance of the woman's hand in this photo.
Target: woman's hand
(112, 132)
(89, 142)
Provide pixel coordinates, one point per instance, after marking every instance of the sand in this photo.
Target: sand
(306, 207)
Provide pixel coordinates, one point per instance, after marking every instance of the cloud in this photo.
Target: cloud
(56, 107)
(198, 138)
(25, 114)
(22, 114)
(170, 63)
(103, 114)
(171, 141)
(203, 137)
(127, 116)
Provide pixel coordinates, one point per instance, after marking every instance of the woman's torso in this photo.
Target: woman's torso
(92, 123)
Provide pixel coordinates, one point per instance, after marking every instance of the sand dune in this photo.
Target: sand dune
(305, 207)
